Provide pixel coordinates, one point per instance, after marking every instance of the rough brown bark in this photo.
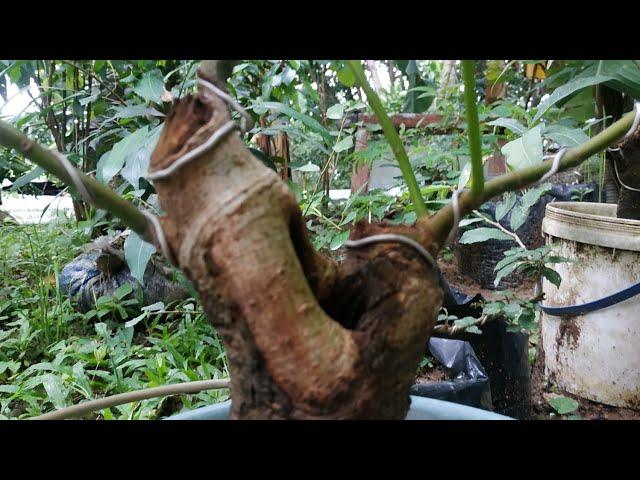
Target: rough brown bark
(627, 161)
(305, 338)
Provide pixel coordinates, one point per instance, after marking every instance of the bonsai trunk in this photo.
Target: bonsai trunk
(305, 338)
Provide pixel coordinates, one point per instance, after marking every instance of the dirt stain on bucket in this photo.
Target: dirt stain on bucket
(568, 334)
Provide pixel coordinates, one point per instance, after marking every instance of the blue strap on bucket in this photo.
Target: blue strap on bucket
(604, 302)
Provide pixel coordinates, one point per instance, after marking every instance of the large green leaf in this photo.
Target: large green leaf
(625, 74)
(565, 136)
(137, 253)
(568, 89)
(137, 160)
(309, 122)
(131, 111)
(483, 234)
(54, 386)
(503, 207)
(338, 240)
(346, 77)
(564, 405)
(524, 151)
(520, 212)
(151, 86)
(26, 178)
(345, 144)
(415, 100)
(336, 112)
(513, 125)
(503, 272)
(112, 162)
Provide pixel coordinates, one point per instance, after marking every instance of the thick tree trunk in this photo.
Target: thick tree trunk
(626, 160)
(305, 338)
(627, 163)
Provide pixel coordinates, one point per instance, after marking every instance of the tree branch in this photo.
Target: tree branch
(513, 235)
(441, 223)
(392, 137)
(473, 126)
(103, 196)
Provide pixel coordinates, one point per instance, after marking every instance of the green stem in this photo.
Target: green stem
(103, 196)
(441, 223)
(473, 126)
(392, 137)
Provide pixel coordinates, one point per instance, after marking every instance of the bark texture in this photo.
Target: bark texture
(627, 162)
(306, 338)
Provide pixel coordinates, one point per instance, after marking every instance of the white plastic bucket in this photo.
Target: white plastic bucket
(595, 355)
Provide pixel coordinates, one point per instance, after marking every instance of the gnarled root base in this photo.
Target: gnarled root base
(305, 338)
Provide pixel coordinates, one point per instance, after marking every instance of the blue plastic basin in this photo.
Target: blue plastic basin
(421, 409)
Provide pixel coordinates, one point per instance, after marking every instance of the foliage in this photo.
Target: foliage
(563, 405)
(52, 356)
(107, 116)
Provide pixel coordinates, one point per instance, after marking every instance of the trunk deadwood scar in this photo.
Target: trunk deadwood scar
(215, 138)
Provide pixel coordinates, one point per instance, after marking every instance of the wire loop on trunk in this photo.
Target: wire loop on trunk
(555, 165)
(391, 237)
(245, 123)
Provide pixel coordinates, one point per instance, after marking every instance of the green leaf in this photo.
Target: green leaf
(483, 234)
(524, 151)
(551, 275)
(468, 221)
(517, 254)
(566, 90)
(345, 144)
(307, 168)
(465, 175)
(136, 111)
(151, 86)
(26, 178)
(54, 386)
(123, 290)
(520, 212)
(465, 322)
(505, 271)
(139, 154)
(137, 253)
(346, 77)
(565, 136)
(557, 259)
(338, 240)
(311, 123)
(563, 405)
(507, 204)
(335, 112)
(513, 125)
(112, 162)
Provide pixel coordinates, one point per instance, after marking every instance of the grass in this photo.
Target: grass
(52, 356)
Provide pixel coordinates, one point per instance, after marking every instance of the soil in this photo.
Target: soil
(543, 390)
(469, 286)
(437, 373)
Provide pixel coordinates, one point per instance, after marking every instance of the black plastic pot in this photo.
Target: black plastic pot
(503, 355)
(478, 260)
(470, 385)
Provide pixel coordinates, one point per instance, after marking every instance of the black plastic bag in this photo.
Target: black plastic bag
(84, 281)
(504, 355)
(471, 384)
(479, 260)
